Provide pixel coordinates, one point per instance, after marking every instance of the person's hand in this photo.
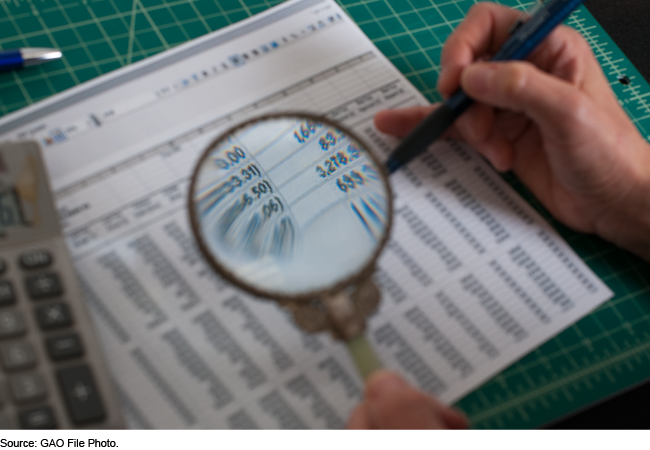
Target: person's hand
(553, 120)
(390, 403)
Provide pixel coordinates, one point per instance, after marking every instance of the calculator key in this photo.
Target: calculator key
(17, 355)
(3, 266)
(7, 293)
(64, 347)
(5, 422)
(35, 259)
(81, 395)
(11, 324)
(43, 285)
(41, 418)
(25, 387)
(55, 315)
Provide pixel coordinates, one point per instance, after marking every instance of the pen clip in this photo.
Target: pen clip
(527, 14)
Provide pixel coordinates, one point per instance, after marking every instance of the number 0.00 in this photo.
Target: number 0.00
(232, 157)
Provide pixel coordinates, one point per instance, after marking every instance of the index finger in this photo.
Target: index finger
(482, 31)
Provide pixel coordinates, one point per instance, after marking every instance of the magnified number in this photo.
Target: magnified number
(335, 162)
(230, 158)
(349, 181)
(273, 206)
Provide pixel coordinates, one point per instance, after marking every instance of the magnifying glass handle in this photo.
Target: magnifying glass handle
(363, 355)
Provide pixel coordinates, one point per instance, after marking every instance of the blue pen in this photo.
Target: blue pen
(525, 38)
(23, 57)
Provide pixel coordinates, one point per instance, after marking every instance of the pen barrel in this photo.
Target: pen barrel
(429, 130)
(10, 60)
(535, 30)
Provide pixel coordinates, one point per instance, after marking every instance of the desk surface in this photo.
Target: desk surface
(604, 353)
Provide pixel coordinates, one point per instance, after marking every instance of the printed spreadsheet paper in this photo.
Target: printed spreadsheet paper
(472, 278)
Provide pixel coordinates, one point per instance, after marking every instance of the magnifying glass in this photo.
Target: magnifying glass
(294, 208)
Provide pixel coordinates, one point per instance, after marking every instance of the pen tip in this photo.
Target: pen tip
(54, 54)
(39, 55)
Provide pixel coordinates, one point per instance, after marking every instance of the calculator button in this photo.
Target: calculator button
(41, 418)
(25, 387)
(43, 285)
(56, 315)
(64, 347)
(17, 355)
(35, 259)
(11, 324)
(3, 266)
(80, 393)
(7, 293)
(5, 422)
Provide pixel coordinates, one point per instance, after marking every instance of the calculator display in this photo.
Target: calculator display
(10, 212)
(26, 210)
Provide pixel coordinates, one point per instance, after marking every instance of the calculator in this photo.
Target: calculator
(52, 373)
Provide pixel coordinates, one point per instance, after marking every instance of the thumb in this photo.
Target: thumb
(392, 404)
(555, 105)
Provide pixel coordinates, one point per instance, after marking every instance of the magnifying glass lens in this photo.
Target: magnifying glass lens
(289, 205)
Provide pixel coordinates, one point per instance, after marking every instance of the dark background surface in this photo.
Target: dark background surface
(627, 23)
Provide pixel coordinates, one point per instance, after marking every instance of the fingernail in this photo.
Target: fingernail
(383, 384)
(477, 78)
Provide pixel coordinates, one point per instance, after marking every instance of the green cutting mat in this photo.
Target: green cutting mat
(607, 351)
